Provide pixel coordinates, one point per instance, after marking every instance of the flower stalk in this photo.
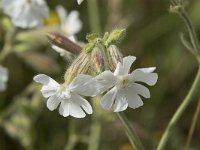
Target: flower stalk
(192, 94)
(132, 136)
(96, 126)
(178, 7)
(7, 48)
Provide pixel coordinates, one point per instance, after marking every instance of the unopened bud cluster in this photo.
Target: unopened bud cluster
(99, 54)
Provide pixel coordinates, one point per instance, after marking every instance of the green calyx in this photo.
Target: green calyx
(95, 40)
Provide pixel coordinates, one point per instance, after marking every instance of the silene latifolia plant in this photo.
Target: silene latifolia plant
(99, 70)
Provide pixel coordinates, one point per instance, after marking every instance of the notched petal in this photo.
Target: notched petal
(45, 80)
(140, 76)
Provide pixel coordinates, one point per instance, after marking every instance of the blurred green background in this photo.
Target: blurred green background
(152, 36)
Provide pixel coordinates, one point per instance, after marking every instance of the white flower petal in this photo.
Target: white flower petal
(134, 101)
(140, 76)
(61, 111)
(147, 70)
(59, 50)
(83, 103)
(48, 91)
(3, 78)
(124, 67)
(3, 74)
(118, 70)
(106, 79)
(62, 13)
(80, 79)
(106, 75)
(3, 86)
(26, 14)
(76, 111)
(120, 102)
(79, 1)
(53, 102)
(75, 106)
(72, 24)
(65, 108)
(72, 38)
(45, 80)
(108, 99)
(84, 85)
(140, 89)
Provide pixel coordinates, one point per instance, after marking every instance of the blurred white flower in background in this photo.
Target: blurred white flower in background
(124, 88)
(70, 23)
(80, 1)
(3, 78)
(26, 13)
(71, 103)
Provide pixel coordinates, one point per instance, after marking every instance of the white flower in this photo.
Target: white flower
(26, 13)
(80, 1)
(70, 23)
(3, 78)
(71, 103)
(124, 87)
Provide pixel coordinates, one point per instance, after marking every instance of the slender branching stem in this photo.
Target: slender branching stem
(193, 92)
(191, 30)
(193, 125)
(132, 136)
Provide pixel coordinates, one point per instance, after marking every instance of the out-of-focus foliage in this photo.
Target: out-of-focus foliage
(152, 36)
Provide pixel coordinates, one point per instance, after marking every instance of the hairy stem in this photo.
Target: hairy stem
(193, 92)
(133, 138)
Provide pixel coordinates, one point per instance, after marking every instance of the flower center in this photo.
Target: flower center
(123, 81)
(65, 93)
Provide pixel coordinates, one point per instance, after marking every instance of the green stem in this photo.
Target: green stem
(191, 30)
(93, 11)
(95, 130)
(73, 139)
(96, 126)
(194, 91)
(133, 138)
(7, 48)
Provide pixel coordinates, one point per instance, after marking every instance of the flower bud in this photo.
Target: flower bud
(115, 37)
(97, 60)
(79, 66)
(63, 42)
(114, 56)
